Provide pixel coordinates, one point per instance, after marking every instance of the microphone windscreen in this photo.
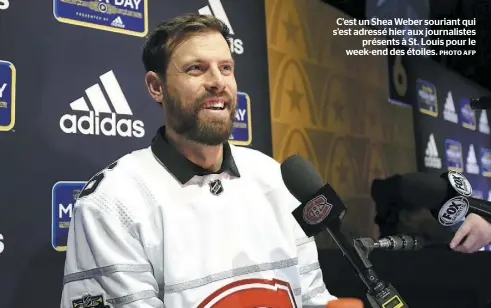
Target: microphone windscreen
(300, 177)
(420, 189)
(345, 303)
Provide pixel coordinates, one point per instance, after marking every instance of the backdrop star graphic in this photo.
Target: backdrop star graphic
(295, 98)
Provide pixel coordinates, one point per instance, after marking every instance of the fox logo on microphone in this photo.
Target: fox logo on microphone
(460, 183)
(453, 211)
(316, 210)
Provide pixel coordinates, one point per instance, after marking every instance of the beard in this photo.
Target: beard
(185, 120)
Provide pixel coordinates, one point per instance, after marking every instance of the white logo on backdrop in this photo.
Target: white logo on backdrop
(101, 120)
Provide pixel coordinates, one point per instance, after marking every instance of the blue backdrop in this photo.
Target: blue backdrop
(449, 134)
(73, 99)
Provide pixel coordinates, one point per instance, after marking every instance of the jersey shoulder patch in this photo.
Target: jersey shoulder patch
(96, 180)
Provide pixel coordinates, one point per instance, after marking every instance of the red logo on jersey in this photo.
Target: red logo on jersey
(252, 293)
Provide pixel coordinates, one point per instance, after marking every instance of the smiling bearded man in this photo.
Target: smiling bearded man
(190, 221)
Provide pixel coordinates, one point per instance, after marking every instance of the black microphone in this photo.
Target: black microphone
(448, 196)
(322, 210)
(483, 102)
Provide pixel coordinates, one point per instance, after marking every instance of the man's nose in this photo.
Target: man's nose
(215, 80)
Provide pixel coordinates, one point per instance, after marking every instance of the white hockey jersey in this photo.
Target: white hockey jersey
(154, 230)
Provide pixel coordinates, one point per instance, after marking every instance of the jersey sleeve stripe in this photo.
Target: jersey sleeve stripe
(107, 270)
(124, 300)
(313, 293)
(304, 240)
(309, 268)
(229, 274)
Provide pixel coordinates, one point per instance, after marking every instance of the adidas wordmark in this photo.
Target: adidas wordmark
(449, 113)
(236, 44)
(483, 123)
(100, 119)
(118, 22)
(432, 160)
(471, 164)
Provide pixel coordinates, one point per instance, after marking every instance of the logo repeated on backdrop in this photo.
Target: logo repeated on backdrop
(432, 159)
(7, 95)
(483, 123)
(4, 4)
(471, 165)
(453, 151)
(468, 115)
(427, 99)
(449, 113)
(486, 162)
(120, 16)
(215, 8)
(63, 197)
(78, 122)
(242, 129)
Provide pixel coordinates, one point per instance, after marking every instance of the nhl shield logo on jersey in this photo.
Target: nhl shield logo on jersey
(89, 301)
(216, 187)
(252, 293)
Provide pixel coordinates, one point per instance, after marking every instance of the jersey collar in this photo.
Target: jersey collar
(182, 168)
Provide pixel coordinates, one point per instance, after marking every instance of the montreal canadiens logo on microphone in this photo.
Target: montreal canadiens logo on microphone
(453, 211)
(316, 210)
(460, 183)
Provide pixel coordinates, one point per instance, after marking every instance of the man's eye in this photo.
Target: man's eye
(194, 68)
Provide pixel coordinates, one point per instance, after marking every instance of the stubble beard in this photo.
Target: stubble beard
(185, 121)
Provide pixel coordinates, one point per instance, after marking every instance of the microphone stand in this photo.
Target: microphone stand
(379, 293)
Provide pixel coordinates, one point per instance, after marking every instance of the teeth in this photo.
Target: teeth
(215, 105)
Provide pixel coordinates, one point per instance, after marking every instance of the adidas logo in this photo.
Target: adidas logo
(93, 123)
(471, 165)
(236, 44)
(449, 113)
(483, 123)
(118, 22)
(432, 160)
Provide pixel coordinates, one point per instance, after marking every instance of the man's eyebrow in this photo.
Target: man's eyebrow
(197, 60)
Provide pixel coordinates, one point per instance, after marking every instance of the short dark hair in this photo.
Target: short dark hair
(162, 41)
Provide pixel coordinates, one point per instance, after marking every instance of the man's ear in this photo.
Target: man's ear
(154, 86)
